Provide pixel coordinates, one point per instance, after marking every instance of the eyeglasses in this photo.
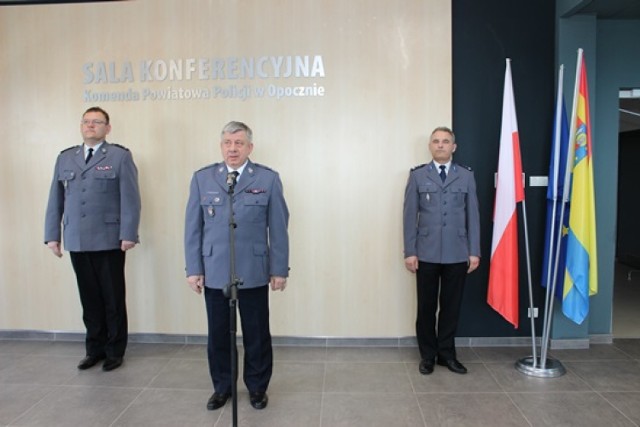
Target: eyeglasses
(93, 122)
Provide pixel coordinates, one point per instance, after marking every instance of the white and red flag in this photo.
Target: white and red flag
(502, 294)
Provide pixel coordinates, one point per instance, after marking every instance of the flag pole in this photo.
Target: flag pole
(552, 273)
(551, 368)
(531, 307)
(552, 281)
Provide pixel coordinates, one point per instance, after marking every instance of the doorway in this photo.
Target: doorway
(626, 289)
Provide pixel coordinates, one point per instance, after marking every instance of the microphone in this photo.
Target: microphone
(232, 179)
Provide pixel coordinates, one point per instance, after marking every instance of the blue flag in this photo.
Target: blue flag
(555, 240)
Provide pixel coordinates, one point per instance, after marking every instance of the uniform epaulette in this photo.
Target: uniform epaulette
(419, 166)
(70, 148)
(263, 166)
(121, 146)
(212, 165)
(465, 167)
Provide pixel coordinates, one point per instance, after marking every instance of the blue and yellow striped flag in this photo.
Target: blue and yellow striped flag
(581, 274)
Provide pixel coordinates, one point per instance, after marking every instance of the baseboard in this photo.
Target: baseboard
(151, 338)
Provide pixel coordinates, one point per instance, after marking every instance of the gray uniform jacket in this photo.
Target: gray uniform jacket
(98, 203)
(441, 220)
(261, 237)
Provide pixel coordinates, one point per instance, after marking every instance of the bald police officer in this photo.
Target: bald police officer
(441, 246)
(94, 196)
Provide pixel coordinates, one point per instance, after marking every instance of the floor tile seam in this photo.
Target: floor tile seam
(380, 393)
(458, 392)
(96, 386)
(519, 409)
(152, 357)
(625, 352)
(583, 378)
(567, 392)
(155, 388)
(160, 371)
(415, 398)
(26, 411)
(322, 393)
(554, 392)
(616, 408)
(494, 377)
(475, 355)
(369, 362)
(49, 356)
(600, 360)
(125, 409)
(192, 359)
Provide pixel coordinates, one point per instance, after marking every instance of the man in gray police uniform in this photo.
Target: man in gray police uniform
(441, 246)
(262, 258)
(94, 195)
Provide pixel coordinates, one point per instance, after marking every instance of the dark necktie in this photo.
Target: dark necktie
(89, 156)
(232, 178)
(443, 174)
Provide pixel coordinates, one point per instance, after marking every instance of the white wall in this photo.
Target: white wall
(344, 157)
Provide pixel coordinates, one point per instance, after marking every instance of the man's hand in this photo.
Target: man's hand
(126, 245)
(411, 263)
(55, 248)
(278, 283)
(196, 283)
(474, 262)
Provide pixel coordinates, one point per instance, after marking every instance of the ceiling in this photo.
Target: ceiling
(608, 9)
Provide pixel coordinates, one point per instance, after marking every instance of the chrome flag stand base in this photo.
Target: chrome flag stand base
(553, 368)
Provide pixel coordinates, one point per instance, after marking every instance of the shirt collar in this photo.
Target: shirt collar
(95, 148)
(240, 169)
(446, 166)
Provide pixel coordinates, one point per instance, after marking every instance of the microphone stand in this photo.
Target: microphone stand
(231, 291)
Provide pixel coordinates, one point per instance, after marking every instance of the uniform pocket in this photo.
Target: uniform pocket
(428, 193)
(112, 219)
(105, 181)
(66, 178)
(261, 250)
(256, 207)
(207, 250)
(460, 195)
(210, 206)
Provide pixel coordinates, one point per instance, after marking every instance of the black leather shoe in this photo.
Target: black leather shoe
(426, 366)
(111, 363)
(217, 400)
(259, 400)
(89, 361)
(453, 365)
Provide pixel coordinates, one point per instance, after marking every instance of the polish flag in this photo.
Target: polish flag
(502, 294)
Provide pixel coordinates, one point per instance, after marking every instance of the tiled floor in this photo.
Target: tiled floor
(168, 385)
